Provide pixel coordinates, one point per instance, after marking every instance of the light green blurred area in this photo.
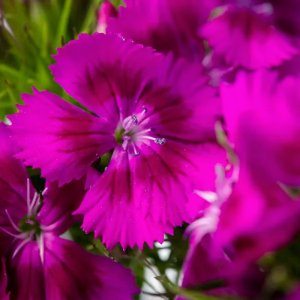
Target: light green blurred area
(30, 32)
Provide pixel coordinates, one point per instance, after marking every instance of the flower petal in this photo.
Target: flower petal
(165, 25)
(207, 263)
(72, 273)
(254, 212)
(245, 38)
(58, 137)
(58, 205)
(13, 187)
(145, 196)
(262, 111)
(13, 175)
(25, 274)
(104, 73)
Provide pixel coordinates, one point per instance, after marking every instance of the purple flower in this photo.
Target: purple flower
(246, 36)
(166, 25)
(207, 261)
(105, 11)
(208, 220)
(261, 113)
(257, 214)
(208, 265)
(40, 264)
(155, 119)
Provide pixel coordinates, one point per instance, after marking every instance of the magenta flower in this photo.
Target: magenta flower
(3, 281)
(105, 11)
(257, 214)
(247, 37)
(261, 114)
(166, 25)
(154, 117)
(207, 261)
(295, 294)
(208, 219)
(207, 264)
(40, 264)
(283, 13)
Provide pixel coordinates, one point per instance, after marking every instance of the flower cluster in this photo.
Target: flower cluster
(37, 263)
(182, 112)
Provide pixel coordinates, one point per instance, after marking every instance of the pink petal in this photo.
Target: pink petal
(206, 262)
(13, 175)
(260, 110)
(58, 137)
(146, 196)
(165, 25)
(104, 73)
(13, 187)
(72, 273)
(58, 205)
(106, 10)
(26, 278)
(245, 38)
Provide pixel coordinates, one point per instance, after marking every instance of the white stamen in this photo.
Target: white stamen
(44, 191)
(34, 204)
(41, 247)
(21, 246)
(134, 132)
(209, 196)
(136, 152)
(142, 132)
(17, 236)
(13, 224)
(50, 227)
(160, 141)
(125, 143)
(130, 122)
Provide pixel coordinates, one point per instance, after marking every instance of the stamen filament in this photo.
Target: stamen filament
(136, 152)
(21, 246)
(33, 205)
(17, 236)
(13, 224)
(41, 247)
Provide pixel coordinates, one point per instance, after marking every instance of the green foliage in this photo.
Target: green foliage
(30, 33)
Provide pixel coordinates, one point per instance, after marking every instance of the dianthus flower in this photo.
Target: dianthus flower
(249, 34)
(39, 263)
(105, 11)
(153, 117)
(207, 265)
(261, 115)
(166, 25)
(207, 262)
(258, 213)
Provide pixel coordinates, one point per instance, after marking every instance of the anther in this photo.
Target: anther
(160, 141)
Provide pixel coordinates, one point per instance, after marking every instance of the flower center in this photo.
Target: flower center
(28, 228)
(30, 225)
(133, 131)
